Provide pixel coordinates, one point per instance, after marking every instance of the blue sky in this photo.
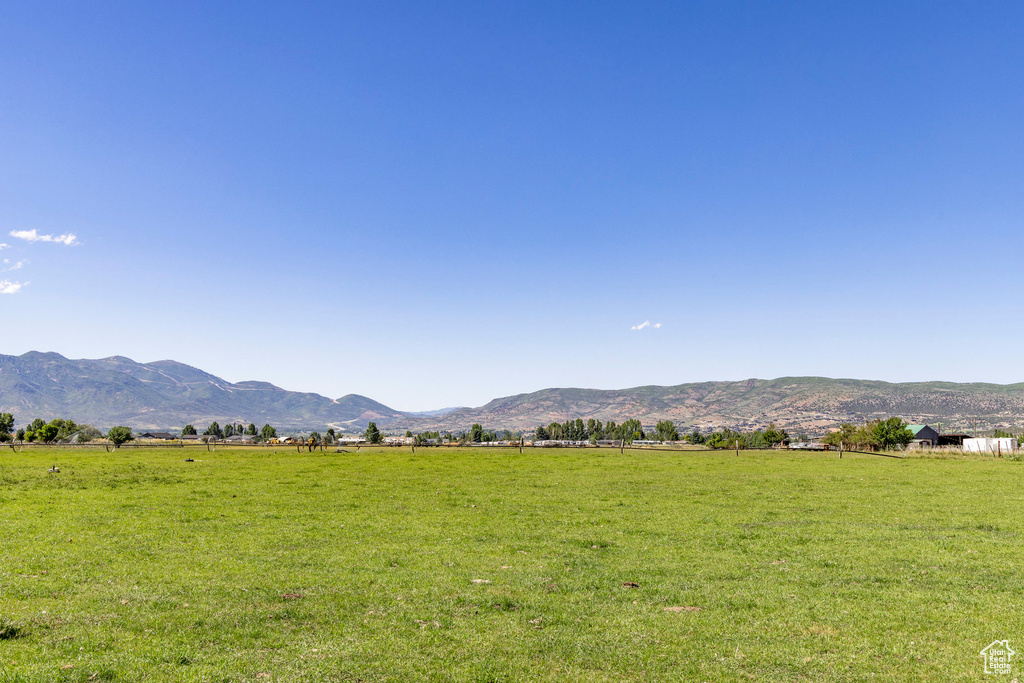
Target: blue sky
(437, 204)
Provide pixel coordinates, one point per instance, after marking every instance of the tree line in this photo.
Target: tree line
(232, 429)
(632, 430)
(889, 434)
(58, 431)
(879, 435)
(594, 430)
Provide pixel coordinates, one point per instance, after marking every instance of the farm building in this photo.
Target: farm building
(924, 436)
(995, 446)
(953, 439)
(158, 435)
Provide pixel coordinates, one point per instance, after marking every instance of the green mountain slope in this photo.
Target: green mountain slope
(164, 395)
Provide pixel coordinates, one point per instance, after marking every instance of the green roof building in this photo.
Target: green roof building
(924, 436)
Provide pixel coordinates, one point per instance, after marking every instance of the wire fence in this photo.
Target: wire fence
(19, 447)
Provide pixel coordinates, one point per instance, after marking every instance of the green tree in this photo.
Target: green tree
(891, 434)
(268, 433)
(119, 435)
(188, 430)
(6, 423)
(666, 431)
(372, 434)
(214, 430)
(846, 436)
(65, 428)
(20, 436)
(331, 436)
(251, 430)
(47, 433)
(87, 433)
(476, 433)
(35, 425)
(632, 430)
(727, 438)
(541, 434)
(773, 436)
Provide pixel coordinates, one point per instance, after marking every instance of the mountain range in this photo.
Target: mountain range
(167, 395)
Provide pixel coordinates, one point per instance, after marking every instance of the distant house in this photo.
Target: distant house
(809, 446)
(166, 436)
(924, 436)
(239, 438)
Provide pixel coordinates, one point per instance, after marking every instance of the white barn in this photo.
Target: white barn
(988, 445)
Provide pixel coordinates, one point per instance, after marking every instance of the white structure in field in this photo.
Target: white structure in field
(983, 445)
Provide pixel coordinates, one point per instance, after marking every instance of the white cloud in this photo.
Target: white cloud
(17, 266)
(68, 239)
(645, 324)
(4, 246)
(8, 287)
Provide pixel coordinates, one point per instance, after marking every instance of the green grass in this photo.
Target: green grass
(136, 565)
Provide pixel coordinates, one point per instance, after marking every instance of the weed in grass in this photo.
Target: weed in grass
(10, 630)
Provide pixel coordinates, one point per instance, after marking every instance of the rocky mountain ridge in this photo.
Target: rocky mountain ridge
(167, 394)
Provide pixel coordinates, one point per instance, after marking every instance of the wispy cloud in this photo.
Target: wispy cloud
(4, 246)
(645, 324)
(17, 266)
(8, 287)
(32, 235)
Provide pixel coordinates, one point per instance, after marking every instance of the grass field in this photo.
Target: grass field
(488, 565)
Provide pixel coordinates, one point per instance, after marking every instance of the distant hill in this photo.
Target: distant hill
(435, 413)
(164, 395)
(809, 404)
